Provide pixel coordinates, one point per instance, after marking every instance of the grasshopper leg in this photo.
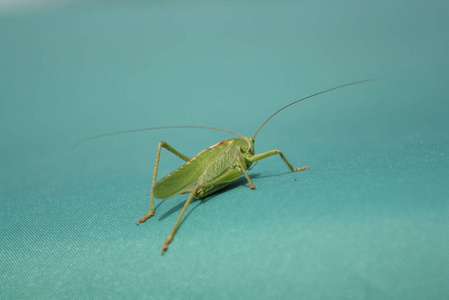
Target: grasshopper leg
(260, 156)
(228, 176)
(175, 227)
(242, 167)
(161, 145)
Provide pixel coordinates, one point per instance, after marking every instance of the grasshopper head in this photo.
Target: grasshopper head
(247, 145)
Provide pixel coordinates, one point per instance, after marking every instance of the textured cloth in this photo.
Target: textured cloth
(369, 220)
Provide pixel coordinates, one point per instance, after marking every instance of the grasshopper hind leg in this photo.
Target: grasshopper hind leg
(161, 145)
(178, 220)
(201, 191)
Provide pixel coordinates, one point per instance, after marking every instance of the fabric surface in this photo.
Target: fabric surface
(369, 220)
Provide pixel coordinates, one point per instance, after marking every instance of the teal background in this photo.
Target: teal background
(369, 220)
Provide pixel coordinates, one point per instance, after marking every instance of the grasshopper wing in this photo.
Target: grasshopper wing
(205, 166)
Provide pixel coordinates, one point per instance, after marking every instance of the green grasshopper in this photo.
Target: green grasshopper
(211, 169)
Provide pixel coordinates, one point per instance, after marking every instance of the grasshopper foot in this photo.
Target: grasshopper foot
(252, 186)
(301, 169)
(165, 245)
(146, 217)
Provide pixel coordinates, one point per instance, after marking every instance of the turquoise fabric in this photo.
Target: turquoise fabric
(369, 220)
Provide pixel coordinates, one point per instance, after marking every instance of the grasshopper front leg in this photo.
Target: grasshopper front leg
(161, 145)
(260, 156)
(242, 167)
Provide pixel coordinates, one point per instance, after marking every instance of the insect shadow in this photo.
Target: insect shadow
(238, 182)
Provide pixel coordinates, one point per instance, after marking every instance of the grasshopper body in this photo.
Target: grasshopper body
(211, 169)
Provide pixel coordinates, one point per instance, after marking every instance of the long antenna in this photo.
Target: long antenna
(338, 87)
(145, 129)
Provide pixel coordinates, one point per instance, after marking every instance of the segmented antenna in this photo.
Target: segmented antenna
(338, 87)
(213, 128)
(150, 128)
